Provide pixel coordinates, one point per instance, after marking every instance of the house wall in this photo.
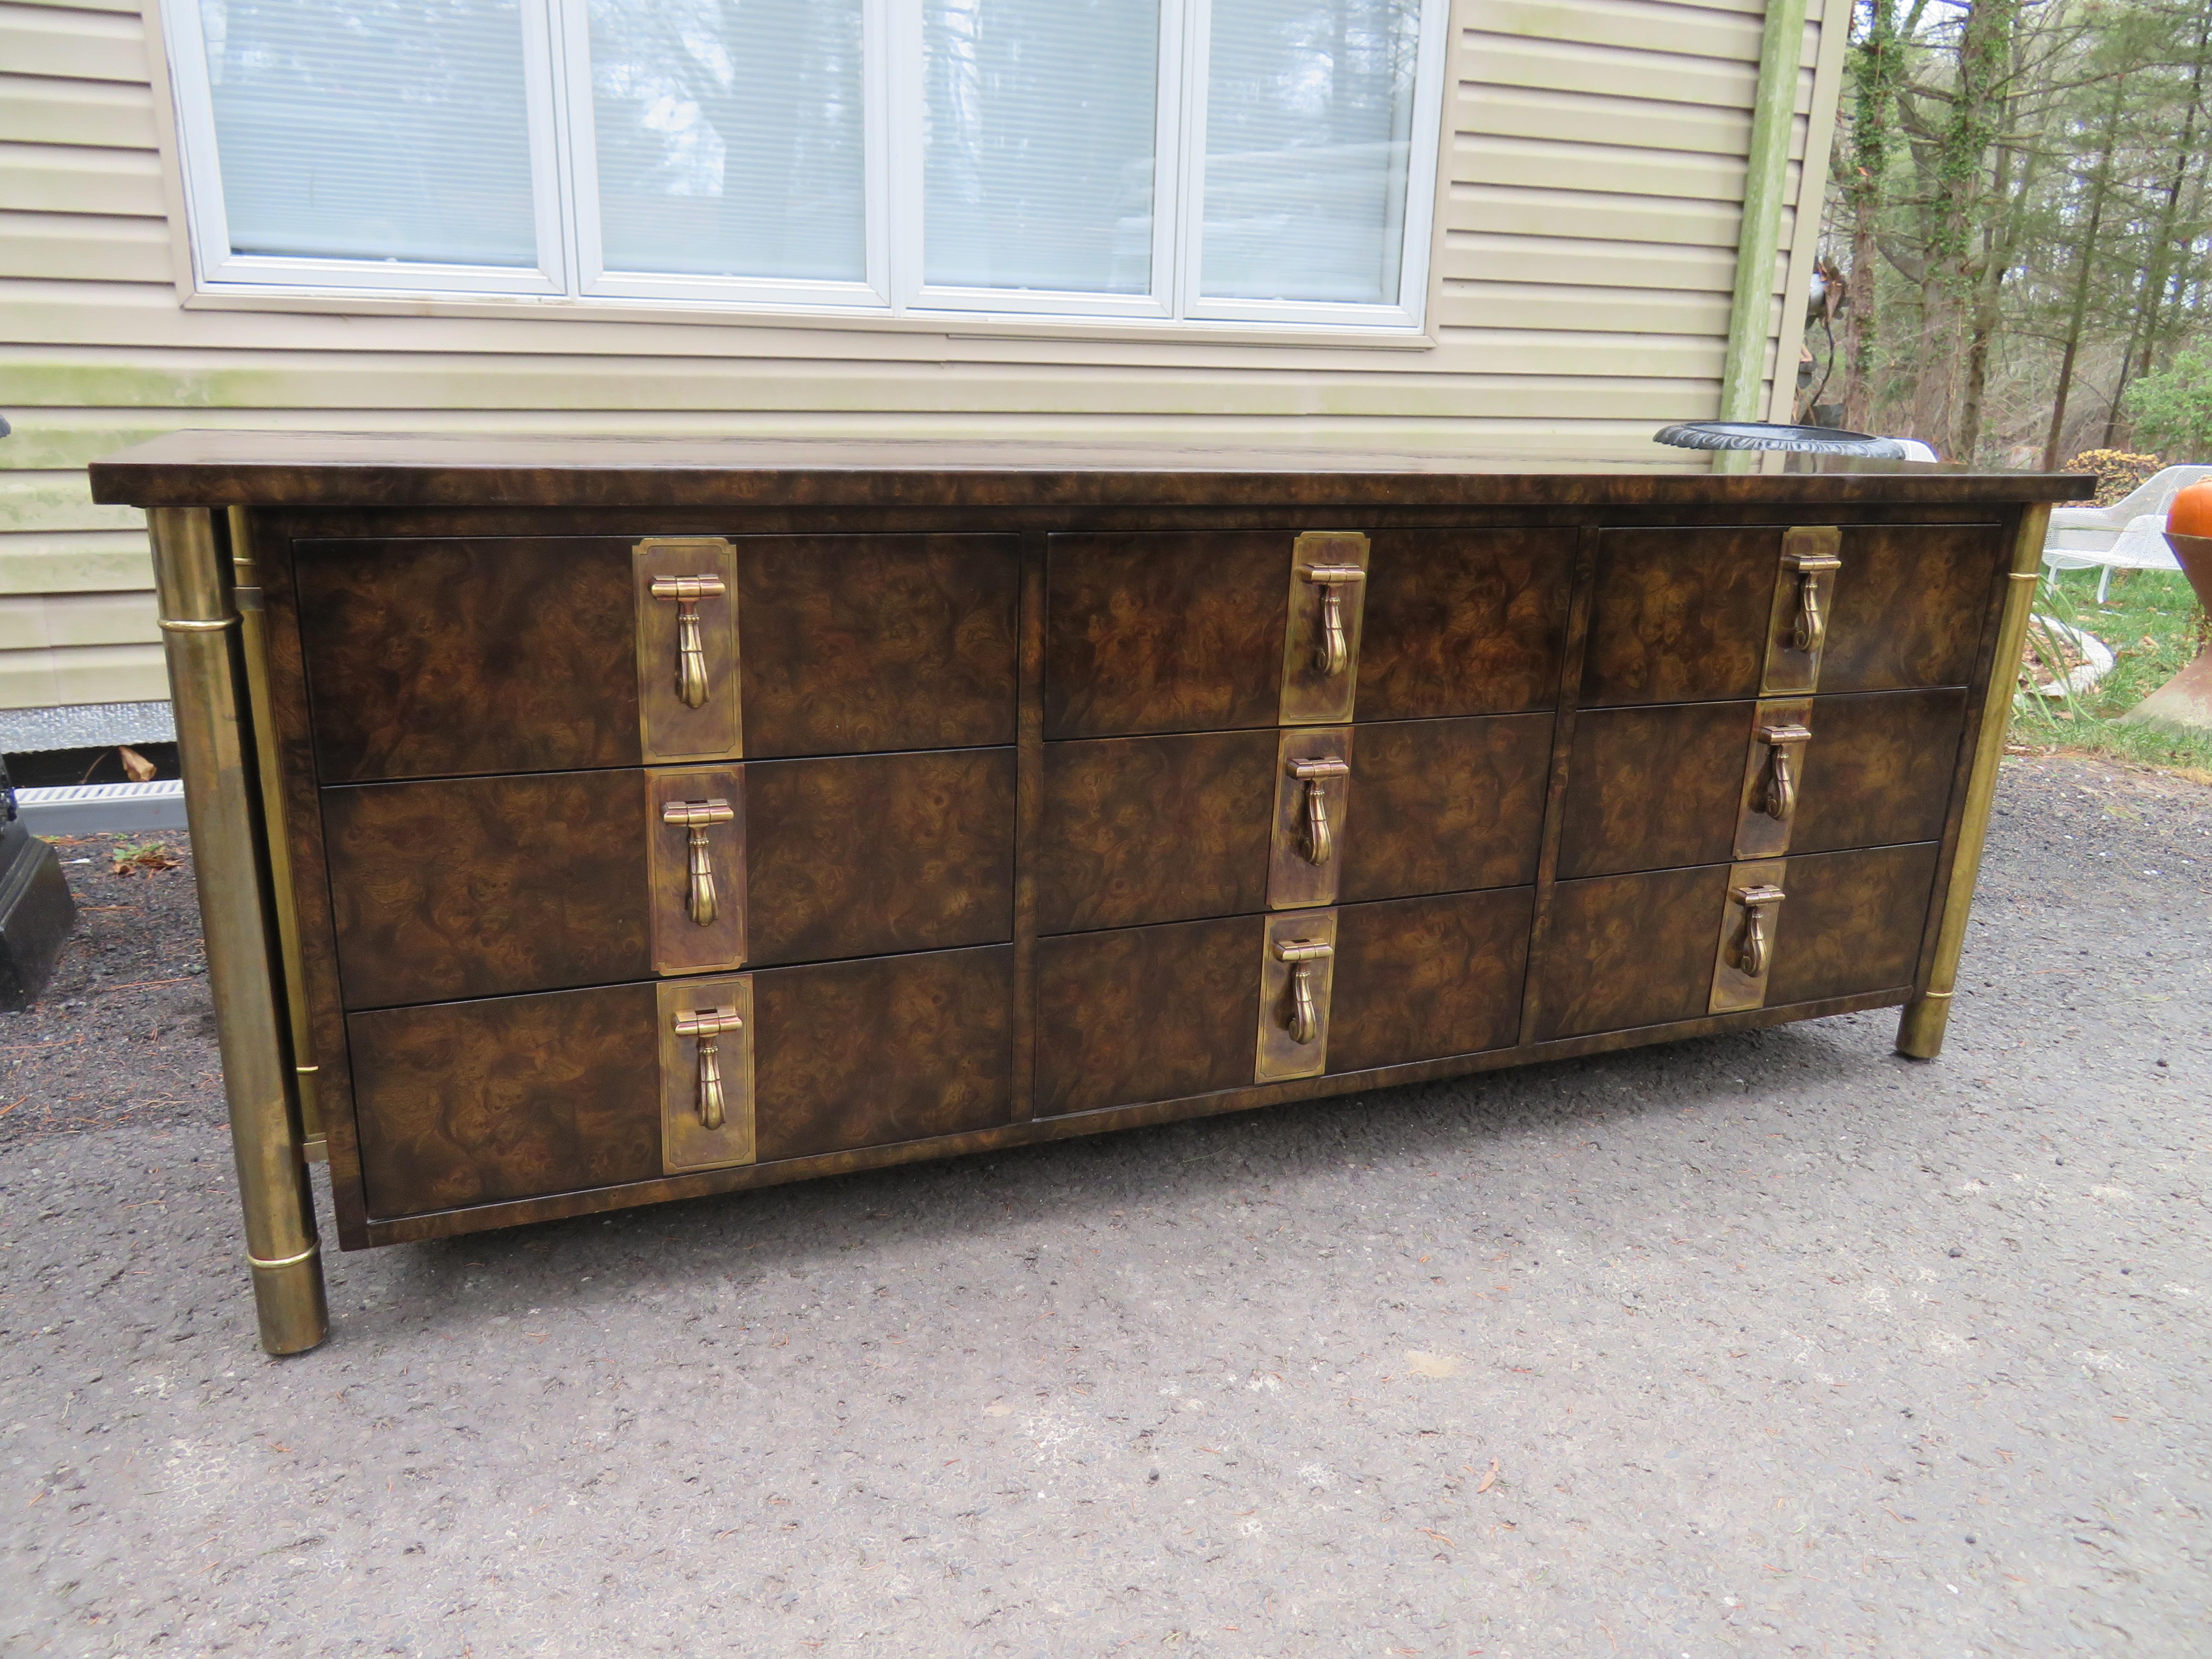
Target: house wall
(1588, 203)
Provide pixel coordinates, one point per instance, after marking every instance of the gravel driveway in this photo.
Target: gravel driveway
(1768, 1344)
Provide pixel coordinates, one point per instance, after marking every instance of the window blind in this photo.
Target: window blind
(373, 129)
(731, 136)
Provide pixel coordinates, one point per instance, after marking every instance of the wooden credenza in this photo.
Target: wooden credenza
(582, 824)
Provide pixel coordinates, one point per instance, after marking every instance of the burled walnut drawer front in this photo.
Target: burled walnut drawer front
(1166, 829)
(1701, 783)
(1686, 615)
(447, 656)
(511, 1097)
(1208, 632)
(1650, 949)
(467, 887)
(1159, 1013)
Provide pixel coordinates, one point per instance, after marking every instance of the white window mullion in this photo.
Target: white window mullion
(1190, 222)
(541, 57)
(1170, 147)
(574, 165)
(903, 106)
(882, 142)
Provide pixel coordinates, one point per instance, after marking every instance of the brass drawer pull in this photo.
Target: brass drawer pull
(690, 649)
(695, 816)
(1303, 1022)
(1332, 651)
(707, 1024)
(1759, 904)
(1780, 798)
(1810, 631)
(1319, 845)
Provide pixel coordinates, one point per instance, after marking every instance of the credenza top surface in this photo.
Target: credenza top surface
(369, 469)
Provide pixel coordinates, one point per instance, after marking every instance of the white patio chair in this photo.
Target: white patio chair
(2128, 535)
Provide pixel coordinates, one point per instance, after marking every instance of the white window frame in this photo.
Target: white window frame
(570, 269)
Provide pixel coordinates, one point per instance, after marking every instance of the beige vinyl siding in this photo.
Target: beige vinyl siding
(1584, 255)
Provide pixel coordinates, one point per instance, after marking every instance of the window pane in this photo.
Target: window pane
(729, 136)
(1038, 147)
(373, 129)
(1309, 109)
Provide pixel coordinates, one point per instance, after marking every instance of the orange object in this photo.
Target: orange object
(2192, 511)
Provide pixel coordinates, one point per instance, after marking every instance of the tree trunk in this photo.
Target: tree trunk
(1999, 243)
(2100, 183)
(1878, 63)
(1984, 50)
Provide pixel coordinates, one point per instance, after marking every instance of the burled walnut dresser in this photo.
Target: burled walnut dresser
(586, 823)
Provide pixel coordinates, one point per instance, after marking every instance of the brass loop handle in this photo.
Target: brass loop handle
(1319, 843)
(695, 816)
(690, 648)
(1759, 904)
(1332, 650)
(707, 1024)
(1781, 794)
(1303, 1019)
(1811, 629)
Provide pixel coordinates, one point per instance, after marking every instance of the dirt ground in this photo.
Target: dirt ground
(124, 1035)
(1768, 1344)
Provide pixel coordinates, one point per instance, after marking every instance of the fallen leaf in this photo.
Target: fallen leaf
(129, 858)
(1490, 1479)
(137, 767)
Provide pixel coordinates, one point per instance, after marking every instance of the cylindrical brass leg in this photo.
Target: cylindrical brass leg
(1920, 1032)
(199, 625)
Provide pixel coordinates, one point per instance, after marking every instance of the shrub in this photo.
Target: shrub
(2174, 407)
(2117, 472)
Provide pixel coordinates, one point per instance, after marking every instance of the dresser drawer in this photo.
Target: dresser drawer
(1159, 633)
(1146, 829)
(1686, 615)
(1623, 952)
(1439, 805)
(1146, 1013)
(1878, 770)
(1650, 949)
(1464, 622)
(482, 655)
(466, 887)
(1158, 1013)
(1695, 783)
(511, 1097)
(1422, 978)
(1851, 921)
(1137, 830)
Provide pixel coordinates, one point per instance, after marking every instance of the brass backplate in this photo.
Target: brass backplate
(681, 945)
(1758, 833)
(1294, 879)
(1280, 1054)
(685, 1143)
(1311, 695)
(1788, 669)
(672, 730)
(1734, 988)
